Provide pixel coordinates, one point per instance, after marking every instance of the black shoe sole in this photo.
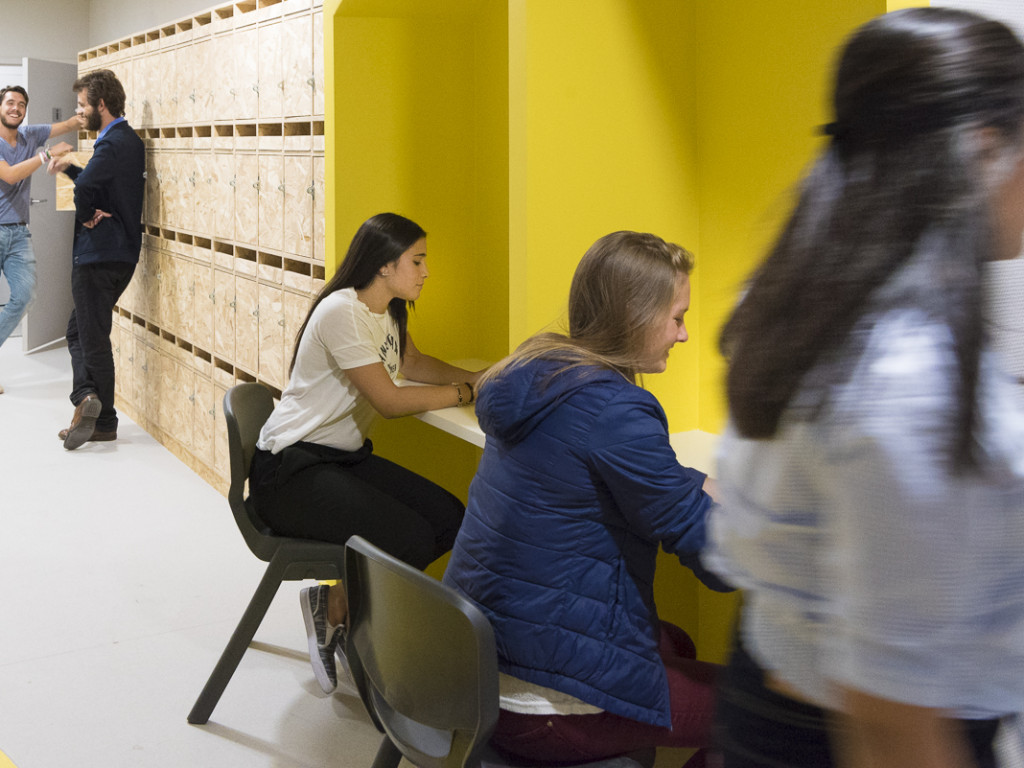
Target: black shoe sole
(86, 425)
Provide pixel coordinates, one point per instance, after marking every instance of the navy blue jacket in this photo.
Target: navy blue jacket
(577, 487)
(113, 181)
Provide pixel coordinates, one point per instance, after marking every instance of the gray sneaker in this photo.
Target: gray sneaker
(321, 648)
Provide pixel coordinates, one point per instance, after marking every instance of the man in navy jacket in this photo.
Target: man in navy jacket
(108, 238)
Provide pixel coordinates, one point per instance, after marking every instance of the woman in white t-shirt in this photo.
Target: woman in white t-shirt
(314, 475)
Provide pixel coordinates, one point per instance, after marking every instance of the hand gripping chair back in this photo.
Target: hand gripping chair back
(246, 408)
(424, 661)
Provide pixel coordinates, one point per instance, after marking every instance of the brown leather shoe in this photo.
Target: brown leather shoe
(97, 436)
(83, 423)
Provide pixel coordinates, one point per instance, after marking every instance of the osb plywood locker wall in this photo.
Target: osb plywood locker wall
(230, 104)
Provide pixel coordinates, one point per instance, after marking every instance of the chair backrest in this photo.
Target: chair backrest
(246, 409)
(423, 658)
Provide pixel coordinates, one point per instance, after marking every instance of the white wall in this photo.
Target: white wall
(111, 20)
(44, 29)
(58, 29)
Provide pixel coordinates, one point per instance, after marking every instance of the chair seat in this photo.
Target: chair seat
(424, 660)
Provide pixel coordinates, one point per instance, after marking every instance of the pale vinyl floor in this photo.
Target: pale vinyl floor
(122, 575)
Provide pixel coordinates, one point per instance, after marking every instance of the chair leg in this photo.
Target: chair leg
(236, 646)
(388, 755)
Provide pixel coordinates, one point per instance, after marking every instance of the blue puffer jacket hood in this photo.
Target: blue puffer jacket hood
(514, 405)
(577, 487)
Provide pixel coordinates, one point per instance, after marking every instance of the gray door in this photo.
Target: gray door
(50, 100)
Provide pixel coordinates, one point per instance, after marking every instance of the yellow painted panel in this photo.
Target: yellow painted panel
(420, 128)
(763, 80)
(609, 113)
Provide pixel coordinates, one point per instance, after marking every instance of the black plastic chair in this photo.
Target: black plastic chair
(424, 661)
(246, 408)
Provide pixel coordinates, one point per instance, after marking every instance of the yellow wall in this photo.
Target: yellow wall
(519, 131)
(607, 115)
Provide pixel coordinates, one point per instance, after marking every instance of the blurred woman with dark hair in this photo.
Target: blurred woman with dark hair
(873, 472)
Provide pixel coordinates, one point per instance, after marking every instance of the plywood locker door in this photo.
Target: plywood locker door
(225, 184)
(168, 288)
(203, 188)
(184, 295)
(245, 50)
(247, 184)
(298, 205)
(168, 88)
(221, 460)
(144, 388)
(226, 84)
(224, 314)
(271, 201)
(297, 62)
(247, 332)
(271, 329)
(183, 404)
(319, 187)
(203, 83)
(271, 72)
(164, 375)
(140, 96)
(204, 414)
(151, 284)
(126, 74)
(318, 63)
(176, 175)
(188, 185)
(184, 88)
(205, 298)
(296, 307)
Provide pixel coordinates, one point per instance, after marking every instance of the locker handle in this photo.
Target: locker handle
(280, 187)
(311, 82)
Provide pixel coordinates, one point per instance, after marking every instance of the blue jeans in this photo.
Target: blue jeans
(18, 265)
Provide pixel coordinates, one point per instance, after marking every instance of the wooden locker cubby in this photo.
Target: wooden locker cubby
(233, 249)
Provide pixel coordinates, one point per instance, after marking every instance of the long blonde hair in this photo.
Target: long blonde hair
(622, 284)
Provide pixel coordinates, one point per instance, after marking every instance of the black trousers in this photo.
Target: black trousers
(95, 289)
(756, 727)
(311, 491)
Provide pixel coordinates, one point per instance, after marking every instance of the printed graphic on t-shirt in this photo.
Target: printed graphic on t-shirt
(390, 345)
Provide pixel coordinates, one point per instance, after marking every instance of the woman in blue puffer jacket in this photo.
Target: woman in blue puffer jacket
(577, 488)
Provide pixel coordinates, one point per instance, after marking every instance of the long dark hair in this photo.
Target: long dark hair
(907, 160)
(380, 240)
(622, 284)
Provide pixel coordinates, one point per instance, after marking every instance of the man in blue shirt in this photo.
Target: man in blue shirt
(22, 151)
(108, 238)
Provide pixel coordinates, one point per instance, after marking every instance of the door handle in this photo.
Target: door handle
(33, 201)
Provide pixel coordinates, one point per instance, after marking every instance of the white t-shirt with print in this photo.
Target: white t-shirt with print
(320, 404)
